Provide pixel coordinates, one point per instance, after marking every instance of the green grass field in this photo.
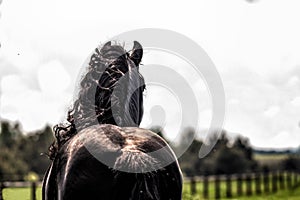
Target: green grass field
(20, 193)
(262, 157)
(24, 194)
(281, 194)
(270, 160)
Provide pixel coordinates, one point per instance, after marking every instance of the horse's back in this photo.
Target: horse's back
(109, 162)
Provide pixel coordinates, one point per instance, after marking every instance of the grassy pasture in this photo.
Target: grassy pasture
(24, 193)
(273, 161)
(280, 195)
(21, 193)
(262, 157)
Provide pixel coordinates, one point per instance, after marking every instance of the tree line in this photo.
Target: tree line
(22, 154)
(231, 156)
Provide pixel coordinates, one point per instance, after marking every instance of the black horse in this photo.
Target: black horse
(101, 153)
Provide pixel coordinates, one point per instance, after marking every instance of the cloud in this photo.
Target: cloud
(6, 68)
(261, 108)
(296, 101)
(285, 139)
(161, 104)
(35, 107)
(272, 111)
(293, 81)
(255, 49)
(53, 78)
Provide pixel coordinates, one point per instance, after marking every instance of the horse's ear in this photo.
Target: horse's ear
(105, 47)
(137, 53)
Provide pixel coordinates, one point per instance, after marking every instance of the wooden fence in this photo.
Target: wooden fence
(237, 185)
(213, 187)
(32, 186)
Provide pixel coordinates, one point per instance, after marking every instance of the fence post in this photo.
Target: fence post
(1, 189)
(193, 186)
(295, 179)
(33, 190)
(239, 185)
(288, 180)
(258, 183)
(217, 187)
(205, 187)
(266, 182)
(281, 181)
(274, 182)
(228, 186)
(248, 185)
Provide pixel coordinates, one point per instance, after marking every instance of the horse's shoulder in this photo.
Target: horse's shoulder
(123, 148)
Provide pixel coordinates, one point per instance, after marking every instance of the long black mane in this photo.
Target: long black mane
(97, 95)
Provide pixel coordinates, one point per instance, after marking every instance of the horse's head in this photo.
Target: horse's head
(112, 90)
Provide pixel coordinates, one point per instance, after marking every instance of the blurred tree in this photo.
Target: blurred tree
(223, 159)
(242, 144)
(6, 136)
(230, 161)
(222, 140)
(22, 153)
(292, 163)
(34, 147)
(190, 163)
(11, 169)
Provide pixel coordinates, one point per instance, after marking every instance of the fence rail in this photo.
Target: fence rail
(19, 184)
(213, 187)
(237, 185)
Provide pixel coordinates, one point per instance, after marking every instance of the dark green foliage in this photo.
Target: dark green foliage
(11, 167)
(20, 154)
(189, 162)
(292, 163)
(9, 134)
(225, 158)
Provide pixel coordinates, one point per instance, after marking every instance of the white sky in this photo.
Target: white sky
(255, 48)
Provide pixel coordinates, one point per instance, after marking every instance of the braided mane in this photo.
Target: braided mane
(111, 92)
